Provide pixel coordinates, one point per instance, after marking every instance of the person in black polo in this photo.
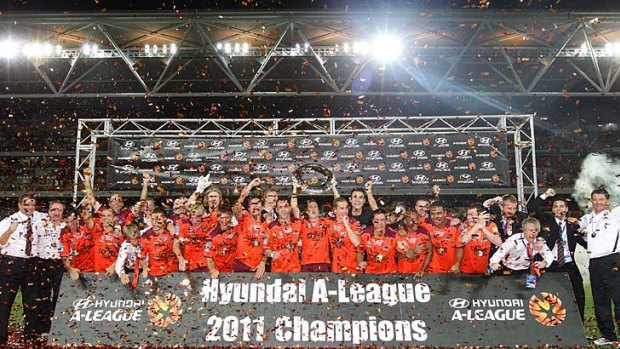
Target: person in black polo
(562, 236)
(602, 231)
(17, 250)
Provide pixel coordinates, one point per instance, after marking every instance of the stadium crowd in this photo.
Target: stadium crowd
(262, 232)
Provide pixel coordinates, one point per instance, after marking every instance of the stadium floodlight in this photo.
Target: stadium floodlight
(227, 48)
(245, 47)
(95, 50)
(155, 48)
(613, 48)
(386, 48)
(306, 46)
(219, 46)
(8, 49)
(345, 47)
(86, 49)
(58, 50)
(173, 48)
(147, 49)
(47, 49)
(237, 47)
(361, 48)
(164, 49)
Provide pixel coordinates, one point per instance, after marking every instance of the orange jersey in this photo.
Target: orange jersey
(284, 240)
(445, 241)
(222, 248)
(158, 248)
(314, 242)
(105, 245)
(344, 253)
(413, 240)
(380, 254)
(193, 240)
(251, 241)
(78, 246)
(477, 252)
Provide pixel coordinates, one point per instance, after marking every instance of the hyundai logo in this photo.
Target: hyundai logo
(284, 154)
(238, 154)
(261, 167)
(172, 144)
(128, 168)
(130, 144)
(419, 153)
(173, 167)
(465, 176)
(329, 154)
(463, 152)
(396, 166)
(441, 140)
(193, 155)
(396, 141)
(261, 142)
(486, 164)
(239, 179)
(351, 141)
(216, 167)
(459, 303)
(283, 179)
(216, 143)
(375, 178)
(150, 156)
(306, 141)
(420, 178)
(351, 166)
(373, 153)
(442, 165)
(485, 140)
(193, 179)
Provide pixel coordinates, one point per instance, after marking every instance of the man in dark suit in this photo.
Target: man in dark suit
(504, 214)
(562, 236)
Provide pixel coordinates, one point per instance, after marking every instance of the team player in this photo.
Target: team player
(380, 249)
(447, 250)
(157, 248)
(478, 235)
(414, 249)
(128, 253)
(283, 246)
(221, 249)
(314, 240)
(252, 237)
(77, 245)
(192, 239)
(107, 241)
(344, 239)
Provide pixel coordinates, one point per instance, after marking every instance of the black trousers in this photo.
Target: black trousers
(15, 274)
(48, 276)
(605, 282)
(576, 282)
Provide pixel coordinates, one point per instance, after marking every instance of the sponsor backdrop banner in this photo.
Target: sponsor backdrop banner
(318, 310)
(393, 162)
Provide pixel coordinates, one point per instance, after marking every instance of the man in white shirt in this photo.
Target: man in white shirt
(602, 231)
(49, 263)
(17, 249)
(520, 252)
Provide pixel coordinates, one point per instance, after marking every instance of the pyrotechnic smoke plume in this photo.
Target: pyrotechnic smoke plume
(597, 170)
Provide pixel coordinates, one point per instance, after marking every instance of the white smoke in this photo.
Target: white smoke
(597, 170)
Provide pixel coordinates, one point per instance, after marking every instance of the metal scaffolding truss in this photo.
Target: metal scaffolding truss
(446, 53)
(519, 127)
